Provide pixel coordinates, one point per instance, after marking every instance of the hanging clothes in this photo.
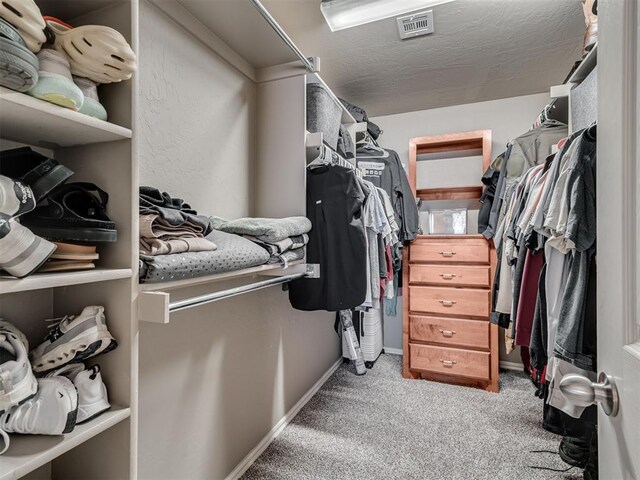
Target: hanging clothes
(337, 242)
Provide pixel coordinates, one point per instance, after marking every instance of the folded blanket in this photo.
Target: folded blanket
(275, 248)
(268, 230)
(156, 246)
(173, 210)
(155, 226)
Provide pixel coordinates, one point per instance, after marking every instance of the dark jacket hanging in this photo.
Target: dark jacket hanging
(337, 242)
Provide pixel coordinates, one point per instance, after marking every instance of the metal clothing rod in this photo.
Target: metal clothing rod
(282, 34)
(232, 292)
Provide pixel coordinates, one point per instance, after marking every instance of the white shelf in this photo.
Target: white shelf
(29, 452)
(38, 281)
(586, 66)
(32, 121)
(218, 277)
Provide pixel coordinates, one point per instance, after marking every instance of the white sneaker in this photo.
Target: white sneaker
(16, 198)
(52, 411)
(21, 252)
(73, 339)
(17, 382)
(92, 392)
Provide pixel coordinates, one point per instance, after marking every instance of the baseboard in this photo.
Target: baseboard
(253, 455)
(393, 351)
(511, 366)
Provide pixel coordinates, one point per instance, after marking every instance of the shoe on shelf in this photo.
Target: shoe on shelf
(73, 339)
(25, 17)
(92, 392)
(96, 52)
(71, 251)
(91, 105)
(17, 382)
(66, 266)
(21, 252)
(18, 64)
(51, 411)
(42, 174)
(16, 198)
(75, 212)
(55, 84)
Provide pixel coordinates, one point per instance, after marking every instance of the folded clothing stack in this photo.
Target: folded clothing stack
(70, 256)
(283, 238)
(169, 225)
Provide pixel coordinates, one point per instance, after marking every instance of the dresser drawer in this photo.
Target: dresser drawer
(462, 302)
(457, 275)
(449, 252)
(449, 361)
(449, 331)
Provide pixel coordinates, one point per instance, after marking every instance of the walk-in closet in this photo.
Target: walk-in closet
(319, 239)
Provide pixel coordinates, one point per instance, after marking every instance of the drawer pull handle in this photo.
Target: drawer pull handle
(447, 254)
(447, 333)
(448, 363)
(448, 276)
(447, 303)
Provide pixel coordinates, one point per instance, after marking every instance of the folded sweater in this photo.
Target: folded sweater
(269, 230)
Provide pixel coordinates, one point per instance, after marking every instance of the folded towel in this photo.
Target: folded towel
(155, 226)
(156, 246)
(268, 230)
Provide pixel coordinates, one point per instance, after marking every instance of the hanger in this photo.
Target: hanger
(368, 143)
(327, 157)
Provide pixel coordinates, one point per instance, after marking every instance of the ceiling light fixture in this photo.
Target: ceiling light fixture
(341, 14)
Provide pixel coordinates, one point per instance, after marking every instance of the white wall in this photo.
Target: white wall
(507, 118)
(217, 378)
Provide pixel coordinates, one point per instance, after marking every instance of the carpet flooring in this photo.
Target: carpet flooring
(381, 426)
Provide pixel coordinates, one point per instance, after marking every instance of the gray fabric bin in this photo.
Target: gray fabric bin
(323, 114)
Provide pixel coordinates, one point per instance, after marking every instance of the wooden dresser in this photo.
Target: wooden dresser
(447, 283)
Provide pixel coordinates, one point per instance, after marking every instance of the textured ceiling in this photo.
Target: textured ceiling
(481, 50)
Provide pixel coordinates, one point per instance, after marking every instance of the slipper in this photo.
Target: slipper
(65, 266)
(55, 84)
(21, 252)
(96, 52)
(71, 251)
(91, 105)
(74, 212)
(40, 173)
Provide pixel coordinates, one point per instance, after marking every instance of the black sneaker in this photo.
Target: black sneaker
(40, 173)
(74, 212)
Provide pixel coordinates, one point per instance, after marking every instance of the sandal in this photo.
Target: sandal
(42, 174)
(75, 212)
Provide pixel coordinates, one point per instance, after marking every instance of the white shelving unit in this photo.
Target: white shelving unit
(30, 453)
(102, 153)
(39, 281)
(35, 122)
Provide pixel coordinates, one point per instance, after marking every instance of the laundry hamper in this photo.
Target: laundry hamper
(368, 326)
(323, 114)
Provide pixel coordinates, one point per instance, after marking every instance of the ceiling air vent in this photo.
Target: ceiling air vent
(416, 24)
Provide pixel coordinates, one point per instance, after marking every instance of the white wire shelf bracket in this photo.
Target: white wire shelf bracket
(157, 306)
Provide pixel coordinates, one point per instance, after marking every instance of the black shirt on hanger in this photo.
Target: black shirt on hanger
(337, 242)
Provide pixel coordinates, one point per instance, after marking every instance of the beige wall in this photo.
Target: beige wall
(507, 118)
(217, 378)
